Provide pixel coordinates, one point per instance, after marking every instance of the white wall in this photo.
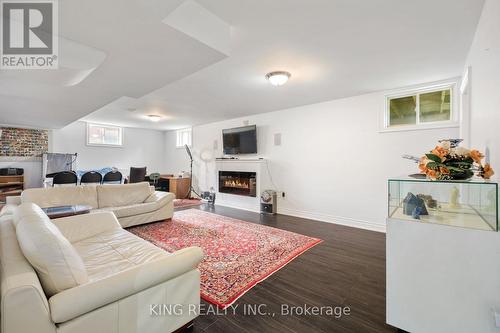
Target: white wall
(333, 163)
(484, 60)
(141, 147)
(176, 159)
(32, 169)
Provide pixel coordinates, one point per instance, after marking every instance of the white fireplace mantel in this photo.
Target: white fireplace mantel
(243, 165)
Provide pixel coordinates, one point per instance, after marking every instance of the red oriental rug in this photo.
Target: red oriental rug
(179, 203)
(238, 254)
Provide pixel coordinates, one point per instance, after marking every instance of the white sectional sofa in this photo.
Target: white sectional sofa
(132, 204)
(85, 274)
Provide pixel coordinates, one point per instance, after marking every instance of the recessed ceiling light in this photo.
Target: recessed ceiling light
(154, 117)
(278, 78)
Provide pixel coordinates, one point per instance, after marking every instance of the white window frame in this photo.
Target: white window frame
(104, 144)
(179, 142)
(454, 108)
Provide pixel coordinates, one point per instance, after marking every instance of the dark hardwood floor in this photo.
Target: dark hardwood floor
(346, 270)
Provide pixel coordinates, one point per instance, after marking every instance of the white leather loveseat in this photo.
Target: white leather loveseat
(132, 204)
(85, 273)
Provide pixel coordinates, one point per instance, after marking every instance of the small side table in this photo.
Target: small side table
(179, 186)
(65, 211)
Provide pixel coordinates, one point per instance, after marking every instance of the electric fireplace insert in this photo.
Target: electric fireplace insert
(238, 182)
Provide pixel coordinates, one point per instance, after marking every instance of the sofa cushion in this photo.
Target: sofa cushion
(122, 195)
(23, 211)
(160, 200)
(114, 251)
(61, 196)
(132, 210)
(56, 262)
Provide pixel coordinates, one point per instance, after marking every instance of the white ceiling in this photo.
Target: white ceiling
(332, 48)
(139, 54)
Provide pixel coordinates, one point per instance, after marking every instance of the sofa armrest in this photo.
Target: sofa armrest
(31, 299)
(78, 227)
(8, 210)
(13, 200)
(95, 294)
(158, 196)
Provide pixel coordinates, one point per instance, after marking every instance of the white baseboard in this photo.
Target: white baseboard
(346, 221)
(225, 204)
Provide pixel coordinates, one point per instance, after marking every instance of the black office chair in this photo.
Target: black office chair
(112, 177)
(65, 178)
(91, 177)
(137, 175)
(153, 180)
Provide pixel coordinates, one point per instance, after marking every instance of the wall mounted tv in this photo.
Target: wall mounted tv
(240, 140)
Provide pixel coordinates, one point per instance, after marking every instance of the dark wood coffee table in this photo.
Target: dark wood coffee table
(65, 211)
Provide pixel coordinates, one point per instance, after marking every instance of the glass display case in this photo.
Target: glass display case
(469, 204)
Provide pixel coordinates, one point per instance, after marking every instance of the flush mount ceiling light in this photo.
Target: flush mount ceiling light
(278, 78)
(154, 117)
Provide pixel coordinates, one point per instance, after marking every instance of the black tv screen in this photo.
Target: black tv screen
(240, 140)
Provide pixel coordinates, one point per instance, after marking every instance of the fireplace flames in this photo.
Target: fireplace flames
(236, 183)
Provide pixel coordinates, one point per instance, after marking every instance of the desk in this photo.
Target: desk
(178, 186)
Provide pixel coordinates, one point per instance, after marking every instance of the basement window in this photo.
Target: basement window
(428, 107)
(104, 135)
(184, 137)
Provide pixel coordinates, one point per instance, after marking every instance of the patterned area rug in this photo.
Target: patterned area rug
(178, 203)
(238, 254)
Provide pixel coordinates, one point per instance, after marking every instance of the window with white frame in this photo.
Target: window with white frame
(426, 107)
(184, 137)
(104, 135)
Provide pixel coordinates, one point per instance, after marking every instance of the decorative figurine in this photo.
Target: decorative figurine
(416, 213)
(432, 203)
(429, 200)
(454, 195)
(411, 202)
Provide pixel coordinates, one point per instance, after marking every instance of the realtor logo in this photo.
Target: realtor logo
(29, 34)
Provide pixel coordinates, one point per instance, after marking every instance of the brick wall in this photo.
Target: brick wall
(23, 142)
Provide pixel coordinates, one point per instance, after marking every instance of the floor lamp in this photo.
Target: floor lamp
(191, 189)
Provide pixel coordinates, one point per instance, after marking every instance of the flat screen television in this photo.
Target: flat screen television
(240, 140)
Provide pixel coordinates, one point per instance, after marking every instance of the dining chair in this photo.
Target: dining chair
(112, 177)
(65, 178)
(91, 177)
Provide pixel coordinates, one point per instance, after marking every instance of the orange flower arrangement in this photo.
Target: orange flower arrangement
(487, 171)
(476, 156)
(432, 174)
(448, 161)
(423, 164)
(440, 151)
(444, 170)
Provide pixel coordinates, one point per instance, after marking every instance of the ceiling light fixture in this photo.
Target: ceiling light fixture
(154, 117)
(278, 78)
